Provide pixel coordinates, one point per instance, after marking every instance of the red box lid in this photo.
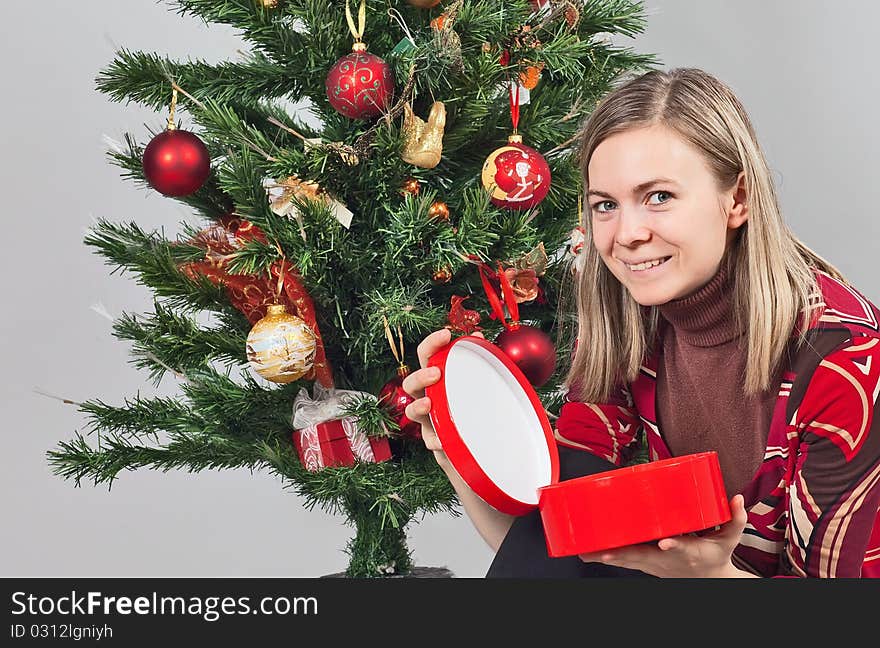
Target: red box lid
(492, 425)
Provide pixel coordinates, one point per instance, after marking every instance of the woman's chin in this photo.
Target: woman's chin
(653, 296)
(656, 301)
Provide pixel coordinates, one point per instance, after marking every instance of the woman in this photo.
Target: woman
(706, 324)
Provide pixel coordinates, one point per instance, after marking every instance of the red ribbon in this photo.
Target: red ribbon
(506, 289)
(252, 294)
(514, 104)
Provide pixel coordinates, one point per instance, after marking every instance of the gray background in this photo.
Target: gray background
(806, 72)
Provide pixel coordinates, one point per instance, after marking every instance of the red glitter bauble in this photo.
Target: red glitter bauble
(360, 85)
(517, 175)
(396, 399)
(531, 350)
(176, 163)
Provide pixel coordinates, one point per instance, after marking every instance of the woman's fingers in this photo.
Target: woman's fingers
(418, 410)
(414, 384)
(431, 344)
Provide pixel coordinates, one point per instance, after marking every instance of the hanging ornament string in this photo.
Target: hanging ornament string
(171, 124)
(399, 356)
(495, 301)
(514, 104)
(395, 15)
(357, 32)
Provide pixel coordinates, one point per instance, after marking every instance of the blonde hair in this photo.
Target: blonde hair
(773, 271)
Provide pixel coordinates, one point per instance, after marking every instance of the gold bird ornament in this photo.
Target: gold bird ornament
(423, 141)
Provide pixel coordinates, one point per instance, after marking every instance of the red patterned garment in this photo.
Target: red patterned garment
(814, 503)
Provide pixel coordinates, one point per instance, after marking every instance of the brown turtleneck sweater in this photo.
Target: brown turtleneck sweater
(701, 403)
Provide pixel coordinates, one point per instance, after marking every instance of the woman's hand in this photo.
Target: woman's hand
(414, 385)
(687, 556)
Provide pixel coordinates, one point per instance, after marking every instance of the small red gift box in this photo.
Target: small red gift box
(326, 435)
(338, 443)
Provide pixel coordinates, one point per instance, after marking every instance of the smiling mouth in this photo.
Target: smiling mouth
(644, 267)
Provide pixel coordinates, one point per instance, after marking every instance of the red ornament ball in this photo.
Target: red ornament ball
(360, 85)
(517, 176)
(176, 163)
(393, 396)
(531, 350)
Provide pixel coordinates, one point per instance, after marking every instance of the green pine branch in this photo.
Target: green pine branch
(77, 460)
(155, 262)
(146, 78)
(168, 339)
(269, 30)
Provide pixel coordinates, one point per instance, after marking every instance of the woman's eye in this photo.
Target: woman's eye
(601, 209)
(659, 193)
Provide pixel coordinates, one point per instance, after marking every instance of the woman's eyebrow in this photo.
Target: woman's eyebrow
(637, 189)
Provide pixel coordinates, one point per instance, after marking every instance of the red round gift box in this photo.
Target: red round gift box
(634, 504)
(496, 433)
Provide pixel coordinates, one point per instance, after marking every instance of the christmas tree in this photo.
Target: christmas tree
(326, 254)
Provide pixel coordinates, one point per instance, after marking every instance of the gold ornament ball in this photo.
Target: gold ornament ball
(443, 275)
(269, 4)
(439, 210)
(281, 347)
(424, 4)
(411, 186)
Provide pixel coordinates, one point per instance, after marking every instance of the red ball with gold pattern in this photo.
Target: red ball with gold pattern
(360, 85)
(517, 176)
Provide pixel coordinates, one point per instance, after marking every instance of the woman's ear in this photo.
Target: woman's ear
(738, 206)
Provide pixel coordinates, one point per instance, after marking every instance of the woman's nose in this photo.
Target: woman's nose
(631, 228)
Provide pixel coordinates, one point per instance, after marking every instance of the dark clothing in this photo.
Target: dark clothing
(523, 554)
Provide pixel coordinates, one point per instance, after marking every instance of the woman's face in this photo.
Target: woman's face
(653, 199)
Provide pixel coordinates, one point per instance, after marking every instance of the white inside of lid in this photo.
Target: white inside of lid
(496, 421)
